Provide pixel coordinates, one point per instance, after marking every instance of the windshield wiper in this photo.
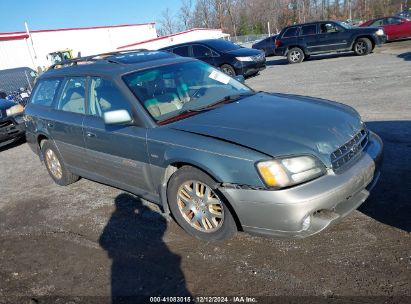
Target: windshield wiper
(225, 100)
(190, 112)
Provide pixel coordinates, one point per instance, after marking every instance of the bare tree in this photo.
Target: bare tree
(167, 22)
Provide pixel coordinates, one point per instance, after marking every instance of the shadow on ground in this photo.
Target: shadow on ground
(142, 264)
(283, 60)
(405, 56)
(390, 200)
(13, 144)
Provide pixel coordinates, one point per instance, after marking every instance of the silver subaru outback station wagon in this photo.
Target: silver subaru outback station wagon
(215, 154)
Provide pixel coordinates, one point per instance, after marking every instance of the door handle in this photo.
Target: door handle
(89, 134)
(50, 125)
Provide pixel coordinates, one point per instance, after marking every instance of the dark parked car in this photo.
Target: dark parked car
(394, 27)
(11, 122)
(404, 14)
(231, 58)
(266, 45)
(220, 156)
(298, 42)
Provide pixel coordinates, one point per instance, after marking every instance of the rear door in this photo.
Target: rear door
(117, 154)
(65, 124)
(309, 37)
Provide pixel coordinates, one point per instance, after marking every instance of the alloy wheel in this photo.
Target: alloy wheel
(53, 164)
(200, 206)
(295, 56)
(361, 47)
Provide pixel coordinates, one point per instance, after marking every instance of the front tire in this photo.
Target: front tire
(362, 46)
(228, 69)
(198, 207)
(295, 55)
(55, 165)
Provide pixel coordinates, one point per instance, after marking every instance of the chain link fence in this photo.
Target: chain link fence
(15, 80)
(247, 40)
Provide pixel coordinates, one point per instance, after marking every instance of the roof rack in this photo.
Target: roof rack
(93, 58)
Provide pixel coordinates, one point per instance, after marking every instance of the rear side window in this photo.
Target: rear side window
(291, 32)
(182, 51)
(308, 30)
(45, 92)
(74, 95)
(378, 22)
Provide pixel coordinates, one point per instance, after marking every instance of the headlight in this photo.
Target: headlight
(14, 110)
(380, 32)
(244, 58)
(280, 173)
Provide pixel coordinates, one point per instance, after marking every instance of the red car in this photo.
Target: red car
(394, 27)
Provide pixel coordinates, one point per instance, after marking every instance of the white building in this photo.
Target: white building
(30, 49)
(181, 37)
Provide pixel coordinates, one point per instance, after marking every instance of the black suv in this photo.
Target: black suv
(299, 41)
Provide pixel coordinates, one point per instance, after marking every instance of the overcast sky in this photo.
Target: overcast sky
(50, 14)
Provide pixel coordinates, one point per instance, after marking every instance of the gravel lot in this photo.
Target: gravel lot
(83, 242)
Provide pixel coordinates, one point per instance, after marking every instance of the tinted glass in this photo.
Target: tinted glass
(329, 28)
(166, 91)
(72, 98)
(105, 96)
(201, 51)
(45, 92)
(310, 29)
(291, 32)
(392, 20)
(182, 51)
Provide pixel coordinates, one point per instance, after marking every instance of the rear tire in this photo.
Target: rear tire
(228, 69)
(295, 55)
(198, 207)
(362, 47)
(55, 165)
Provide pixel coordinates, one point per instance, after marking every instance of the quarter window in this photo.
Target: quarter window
(308, 30)
(291, 32)
(72, 98)
(105, 96)
(45, 92)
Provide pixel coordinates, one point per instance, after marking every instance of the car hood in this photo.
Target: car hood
(278, 124)
(367, 29)
(5, 104)
(244, 52)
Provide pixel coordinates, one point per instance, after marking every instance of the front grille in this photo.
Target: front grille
(350, 151)
(6, 123)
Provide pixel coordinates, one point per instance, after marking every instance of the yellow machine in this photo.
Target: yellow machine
(60, 56)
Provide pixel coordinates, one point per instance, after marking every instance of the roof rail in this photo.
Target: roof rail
(92, 58)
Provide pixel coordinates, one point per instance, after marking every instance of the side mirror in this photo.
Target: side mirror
(240, 78)
(118, 117)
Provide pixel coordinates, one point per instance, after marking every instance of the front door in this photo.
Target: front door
(203, 53)
(332, 37)
(117, 154)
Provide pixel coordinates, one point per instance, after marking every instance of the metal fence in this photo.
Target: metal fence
(13, 80)
(247, 40)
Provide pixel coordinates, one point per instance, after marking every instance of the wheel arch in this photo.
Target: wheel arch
(363, 36)
(173, 167)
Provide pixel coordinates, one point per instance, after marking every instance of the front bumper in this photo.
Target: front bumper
(12, 128)
(247, 68)
(325, 200)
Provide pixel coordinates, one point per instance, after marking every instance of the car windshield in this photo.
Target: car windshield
(170, 90)
(224, 46)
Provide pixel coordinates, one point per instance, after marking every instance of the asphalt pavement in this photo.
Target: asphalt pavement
(87, 241)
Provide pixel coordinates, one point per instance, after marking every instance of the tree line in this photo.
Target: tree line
(245, 17)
